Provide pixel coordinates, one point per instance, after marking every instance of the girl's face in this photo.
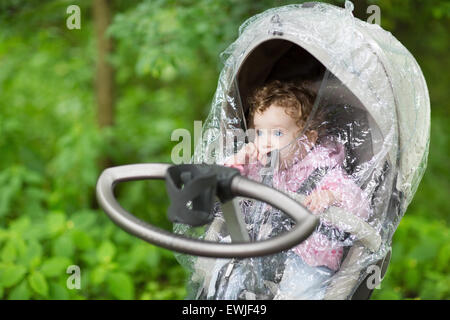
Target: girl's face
(274, 129)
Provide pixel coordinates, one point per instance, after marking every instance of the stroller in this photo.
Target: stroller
(236, 235)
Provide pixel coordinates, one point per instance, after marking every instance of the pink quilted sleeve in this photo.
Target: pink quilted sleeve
(350, 195)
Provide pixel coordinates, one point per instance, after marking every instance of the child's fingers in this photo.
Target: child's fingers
(260, 157)
(308, 200)
(243, 155)
(251, 147)
(230, 161)
(253, 153)
(310, 203)
(315, 202)
(239, 157)
(263, 158)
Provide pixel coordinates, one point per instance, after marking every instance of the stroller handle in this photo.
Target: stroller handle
(240, 186)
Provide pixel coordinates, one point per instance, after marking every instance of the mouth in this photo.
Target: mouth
(269, 157)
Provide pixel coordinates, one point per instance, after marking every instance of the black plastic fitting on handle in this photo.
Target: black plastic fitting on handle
(192, 189)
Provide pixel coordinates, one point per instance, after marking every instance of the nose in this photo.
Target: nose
(264, 142)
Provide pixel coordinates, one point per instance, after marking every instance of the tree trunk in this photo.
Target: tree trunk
(104, 78)
(360, 10)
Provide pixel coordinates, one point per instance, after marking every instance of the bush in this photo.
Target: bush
(35, 256)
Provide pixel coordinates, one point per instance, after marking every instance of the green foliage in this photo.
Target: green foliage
(166, 59)
(113, 264)
(420, 262)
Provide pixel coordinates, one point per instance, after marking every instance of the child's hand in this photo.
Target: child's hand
(248, 154)
(319, 200)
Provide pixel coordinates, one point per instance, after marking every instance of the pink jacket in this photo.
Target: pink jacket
(318, 250)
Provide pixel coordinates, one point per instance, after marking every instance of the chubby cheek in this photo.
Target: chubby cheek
(259, 142)
(282, 142)
(286, 140)
(288, 150)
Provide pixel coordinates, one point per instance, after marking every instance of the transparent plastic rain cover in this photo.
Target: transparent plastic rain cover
(332, 111)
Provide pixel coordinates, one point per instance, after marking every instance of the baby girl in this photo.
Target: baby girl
(278, 114)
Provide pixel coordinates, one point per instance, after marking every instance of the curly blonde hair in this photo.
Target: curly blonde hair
(297, 99)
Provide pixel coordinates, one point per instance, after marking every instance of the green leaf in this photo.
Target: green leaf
(106, 252)
(131, 260)
(38, 283)
(20, 292)
(11, 274)
(55, 266)
(58, 292)
(38, 231)
(20, 225)
(9, 252)
(153, 257)
(63, 246)
(21, 247)
(3, 235)
(98, 275)
(424, 251)
(443, 260)
(90, 257)
(56, 222)
(32, 255)
(84, 220)
(82, 240)
(120, 286)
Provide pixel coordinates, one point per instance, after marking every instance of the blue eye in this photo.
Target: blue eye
(258, 133)
(278, 133)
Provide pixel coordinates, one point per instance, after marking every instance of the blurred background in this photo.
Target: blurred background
(73, 102)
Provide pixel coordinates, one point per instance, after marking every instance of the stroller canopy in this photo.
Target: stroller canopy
(378, 71)
(360, 71)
